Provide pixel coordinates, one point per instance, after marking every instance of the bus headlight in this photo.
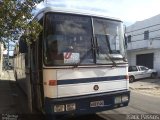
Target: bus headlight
(117, 100)
(59, 108)
(70, 107)
(125, 98)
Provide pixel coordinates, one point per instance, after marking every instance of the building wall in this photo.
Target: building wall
(137, 34)
(139, 45)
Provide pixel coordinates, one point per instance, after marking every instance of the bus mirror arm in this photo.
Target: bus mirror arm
(125, 40)
(23, 48)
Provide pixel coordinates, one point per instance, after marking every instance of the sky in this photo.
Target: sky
(128, 11)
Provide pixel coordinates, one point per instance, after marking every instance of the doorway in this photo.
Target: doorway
(145, 60)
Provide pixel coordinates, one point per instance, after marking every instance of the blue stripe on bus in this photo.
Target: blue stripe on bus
(87, 80)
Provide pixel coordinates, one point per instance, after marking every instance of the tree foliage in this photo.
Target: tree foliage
(15, 17)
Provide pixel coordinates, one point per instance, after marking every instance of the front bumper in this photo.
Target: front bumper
(83, 103)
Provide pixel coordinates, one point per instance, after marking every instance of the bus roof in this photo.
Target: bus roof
(40, 14)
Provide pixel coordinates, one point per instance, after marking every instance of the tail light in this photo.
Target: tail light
(52, 82)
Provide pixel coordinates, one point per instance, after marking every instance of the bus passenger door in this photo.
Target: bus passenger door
(36, 76)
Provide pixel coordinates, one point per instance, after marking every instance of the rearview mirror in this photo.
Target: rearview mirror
(125, 40)
(23, 48)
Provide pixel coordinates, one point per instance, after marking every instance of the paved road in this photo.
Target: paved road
(147, 86)
(139, 104)
(7, 94)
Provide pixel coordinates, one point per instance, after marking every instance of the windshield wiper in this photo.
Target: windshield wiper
(119, 57)
(111, 59)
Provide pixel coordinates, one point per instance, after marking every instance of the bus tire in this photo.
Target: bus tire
(30, 108)
(50, 117)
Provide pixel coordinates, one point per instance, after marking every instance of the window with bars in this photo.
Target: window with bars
(146, 35)
(129, 38)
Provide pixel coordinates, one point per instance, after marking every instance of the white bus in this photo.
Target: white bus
(77, 65)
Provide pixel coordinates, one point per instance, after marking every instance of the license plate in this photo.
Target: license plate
(97, 103)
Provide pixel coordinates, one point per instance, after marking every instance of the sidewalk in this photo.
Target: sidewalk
(147, 86)
(7, 93)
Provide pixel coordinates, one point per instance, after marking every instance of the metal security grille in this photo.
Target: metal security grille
(145, 60)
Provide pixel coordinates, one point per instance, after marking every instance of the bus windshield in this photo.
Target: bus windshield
(109, 39)
(76, 39)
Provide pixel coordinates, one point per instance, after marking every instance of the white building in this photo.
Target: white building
(144, 43)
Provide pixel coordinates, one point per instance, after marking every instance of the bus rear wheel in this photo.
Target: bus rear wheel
(30, 106)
